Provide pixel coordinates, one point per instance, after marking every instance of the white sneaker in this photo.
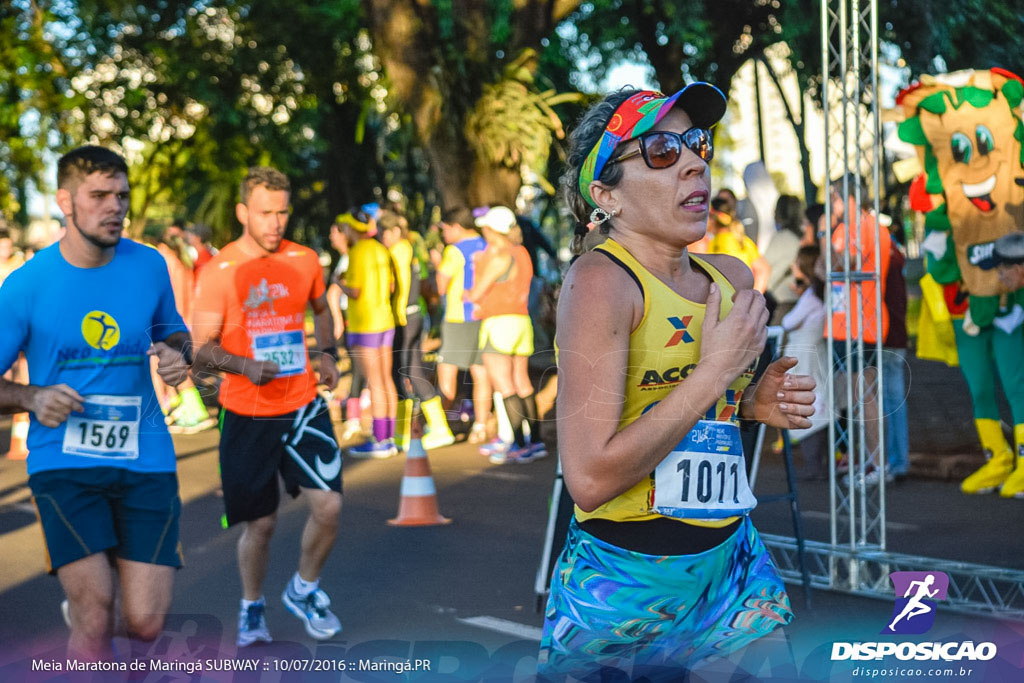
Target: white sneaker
(252, 625)
(351, 429)
(478, 433)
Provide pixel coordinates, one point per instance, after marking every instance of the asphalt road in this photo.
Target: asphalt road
(459, 597)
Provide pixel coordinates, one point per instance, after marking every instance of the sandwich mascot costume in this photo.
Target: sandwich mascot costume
(967, 131)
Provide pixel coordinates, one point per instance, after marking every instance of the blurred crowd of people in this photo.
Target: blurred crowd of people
(387, 291)
(791, 273)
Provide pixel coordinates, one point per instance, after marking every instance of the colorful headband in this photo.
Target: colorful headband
(639, 113)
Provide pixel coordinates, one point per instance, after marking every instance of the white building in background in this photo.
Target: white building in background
(738, 132)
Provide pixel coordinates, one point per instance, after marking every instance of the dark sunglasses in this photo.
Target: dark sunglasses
(662, 148)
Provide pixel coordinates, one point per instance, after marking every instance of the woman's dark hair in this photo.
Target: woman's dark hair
(806, 257)
(458, 215)
(585, 135)
(789, 214)
(814, 213)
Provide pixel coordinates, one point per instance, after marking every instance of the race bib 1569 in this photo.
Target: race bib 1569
(107, 427)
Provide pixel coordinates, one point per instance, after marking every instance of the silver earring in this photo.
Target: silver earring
(599, 216)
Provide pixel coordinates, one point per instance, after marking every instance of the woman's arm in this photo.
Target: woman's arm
(796, 317)
(334, 303)
(598, 308)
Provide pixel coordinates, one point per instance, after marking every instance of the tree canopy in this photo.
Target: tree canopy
(440, 102)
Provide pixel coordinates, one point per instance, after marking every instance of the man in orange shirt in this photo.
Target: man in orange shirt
(864, 323)
(250, 311)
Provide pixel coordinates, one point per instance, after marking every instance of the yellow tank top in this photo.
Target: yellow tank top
(663, 350)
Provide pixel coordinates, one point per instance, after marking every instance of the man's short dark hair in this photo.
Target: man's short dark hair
(855, 183)
(262, 175)
(82, 162)
(459, 215)
(201, 230)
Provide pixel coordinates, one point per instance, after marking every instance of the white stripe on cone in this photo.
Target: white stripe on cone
(418, 486)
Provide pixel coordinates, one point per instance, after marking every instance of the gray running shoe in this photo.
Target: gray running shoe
(313, 610)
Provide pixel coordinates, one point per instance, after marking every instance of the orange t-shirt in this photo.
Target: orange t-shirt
(510, 294)
(262, 302)
(864, 293)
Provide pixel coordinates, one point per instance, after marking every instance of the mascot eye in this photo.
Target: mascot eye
(985, 142)
(962, 148)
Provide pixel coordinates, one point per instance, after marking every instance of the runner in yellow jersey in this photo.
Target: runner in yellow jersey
(662, 568)
(369, 284)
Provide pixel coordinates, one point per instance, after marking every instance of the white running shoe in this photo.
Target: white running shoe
(252, 625)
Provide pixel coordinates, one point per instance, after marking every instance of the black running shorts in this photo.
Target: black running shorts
(300, 445)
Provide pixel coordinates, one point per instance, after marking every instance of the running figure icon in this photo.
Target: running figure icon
(914, 606)
(102, 320)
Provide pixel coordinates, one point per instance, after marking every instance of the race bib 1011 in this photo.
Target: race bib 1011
(705, 476)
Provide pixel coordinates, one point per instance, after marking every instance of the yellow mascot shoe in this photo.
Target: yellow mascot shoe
(993, 473)
(1013, 487)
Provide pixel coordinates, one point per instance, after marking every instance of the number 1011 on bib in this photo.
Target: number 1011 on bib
(705, 476)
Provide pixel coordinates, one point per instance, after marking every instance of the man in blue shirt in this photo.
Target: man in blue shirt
(88, 312)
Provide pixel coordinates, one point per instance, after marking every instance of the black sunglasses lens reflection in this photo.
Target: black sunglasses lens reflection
(661, 149)
(698, 140)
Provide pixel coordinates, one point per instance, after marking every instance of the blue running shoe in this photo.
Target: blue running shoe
(373, 449)
(495, 445)
(252, 625)
(537, 450)
(522, 455)
(313, 610)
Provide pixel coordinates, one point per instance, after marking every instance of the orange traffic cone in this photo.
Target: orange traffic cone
(418, 504)
(19, 437)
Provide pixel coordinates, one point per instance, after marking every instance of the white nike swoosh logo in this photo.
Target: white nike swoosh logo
(329, 470)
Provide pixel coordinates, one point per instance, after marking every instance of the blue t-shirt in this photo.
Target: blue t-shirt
(469, 248)
(90, 328)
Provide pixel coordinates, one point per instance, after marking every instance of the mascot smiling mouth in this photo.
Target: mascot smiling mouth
(980, 194)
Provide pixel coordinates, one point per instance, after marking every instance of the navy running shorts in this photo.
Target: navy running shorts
(131, 515)
(300, 446)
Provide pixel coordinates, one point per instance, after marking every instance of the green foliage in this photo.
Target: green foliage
(195, 91)
(956, 34)
(36, 108)
(513, 124)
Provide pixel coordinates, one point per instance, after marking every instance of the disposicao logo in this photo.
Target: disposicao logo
(915, 610)
(917, 594)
